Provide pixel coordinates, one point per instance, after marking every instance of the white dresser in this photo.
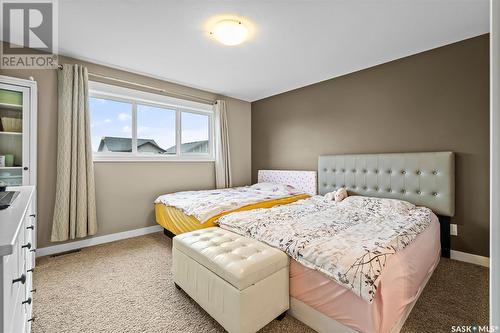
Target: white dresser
(17, 252)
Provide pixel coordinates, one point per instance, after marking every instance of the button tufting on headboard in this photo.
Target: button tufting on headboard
(426, 179)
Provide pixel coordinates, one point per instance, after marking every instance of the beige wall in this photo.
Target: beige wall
(432, 101)
(125, 191)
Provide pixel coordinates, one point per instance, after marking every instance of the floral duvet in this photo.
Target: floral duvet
(206, 204)
(350, 241)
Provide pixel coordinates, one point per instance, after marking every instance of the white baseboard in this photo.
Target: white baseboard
(49, 250)
(470, 258)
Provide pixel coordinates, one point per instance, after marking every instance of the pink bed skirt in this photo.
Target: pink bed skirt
(402, 278)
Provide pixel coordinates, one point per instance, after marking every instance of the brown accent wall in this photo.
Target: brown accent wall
(124, 190)
(433, 101)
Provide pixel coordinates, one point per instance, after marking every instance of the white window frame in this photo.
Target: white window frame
(135, 97)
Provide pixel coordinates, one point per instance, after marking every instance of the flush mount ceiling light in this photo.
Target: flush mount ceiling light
(230, 32)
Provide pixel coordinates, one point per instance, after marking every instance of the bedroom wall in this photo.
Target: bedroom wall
(433, 101)
(125, 191)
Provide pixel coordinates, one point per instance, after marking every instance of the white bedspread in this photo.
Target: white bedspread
(209, 203)
(350, 242)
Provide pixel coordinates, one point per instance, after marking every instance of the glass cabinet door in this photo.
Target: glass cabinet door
(13, 125)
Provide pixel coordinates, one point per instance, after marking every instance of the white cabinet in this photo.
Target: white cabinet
(18, 105)
(17, 253)
(18, 134)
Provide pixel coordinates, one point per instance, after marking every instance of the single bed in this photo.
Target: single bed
(424, 179)
(176, 221)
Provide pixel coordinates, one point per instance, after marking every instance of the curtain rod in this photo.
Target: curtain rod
(163, 91)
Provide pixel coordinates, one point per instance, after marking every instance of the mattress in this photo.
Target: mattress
(403, 277)
(175, 221)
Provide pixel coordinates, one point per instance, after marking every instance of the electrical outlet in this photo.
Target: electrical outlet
(453, 230)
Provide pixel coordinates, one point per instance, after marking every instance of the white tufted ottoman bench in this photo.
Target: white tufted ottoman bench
(242, 283)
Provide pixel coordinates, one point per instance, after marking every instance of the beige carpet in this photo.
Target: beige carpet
(126, 286)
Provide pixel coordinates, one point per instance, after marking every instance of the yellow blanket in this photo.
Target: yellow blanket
(177, 222)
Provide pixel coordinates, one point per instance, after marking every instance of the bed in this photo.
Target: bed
(176, 219)
(424, 179)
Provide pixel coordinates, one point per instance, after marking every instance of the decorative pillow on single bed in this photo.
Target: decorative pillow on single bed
(384, 204)
(271, 187)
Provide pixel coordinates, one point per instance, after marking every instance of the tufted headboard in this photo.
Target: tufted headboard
(305, 181)
(425, 179)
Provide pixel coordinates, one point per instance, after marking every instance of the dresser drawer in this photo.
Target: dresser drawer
(17, 315)
(30, 226)
(28, 307)
(13, 292)
(28, 287)
(13, 270)
(29, 230)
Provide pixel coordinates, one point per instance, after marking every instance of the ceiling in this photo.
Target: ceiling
(295, 43)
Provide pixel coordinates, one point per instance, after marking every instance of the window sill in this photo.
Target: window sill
(141, 159)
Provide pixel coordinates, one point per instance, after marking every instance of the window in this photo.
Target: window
(156, 130)
(128, 124)
(194, 133)
(110, 119)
